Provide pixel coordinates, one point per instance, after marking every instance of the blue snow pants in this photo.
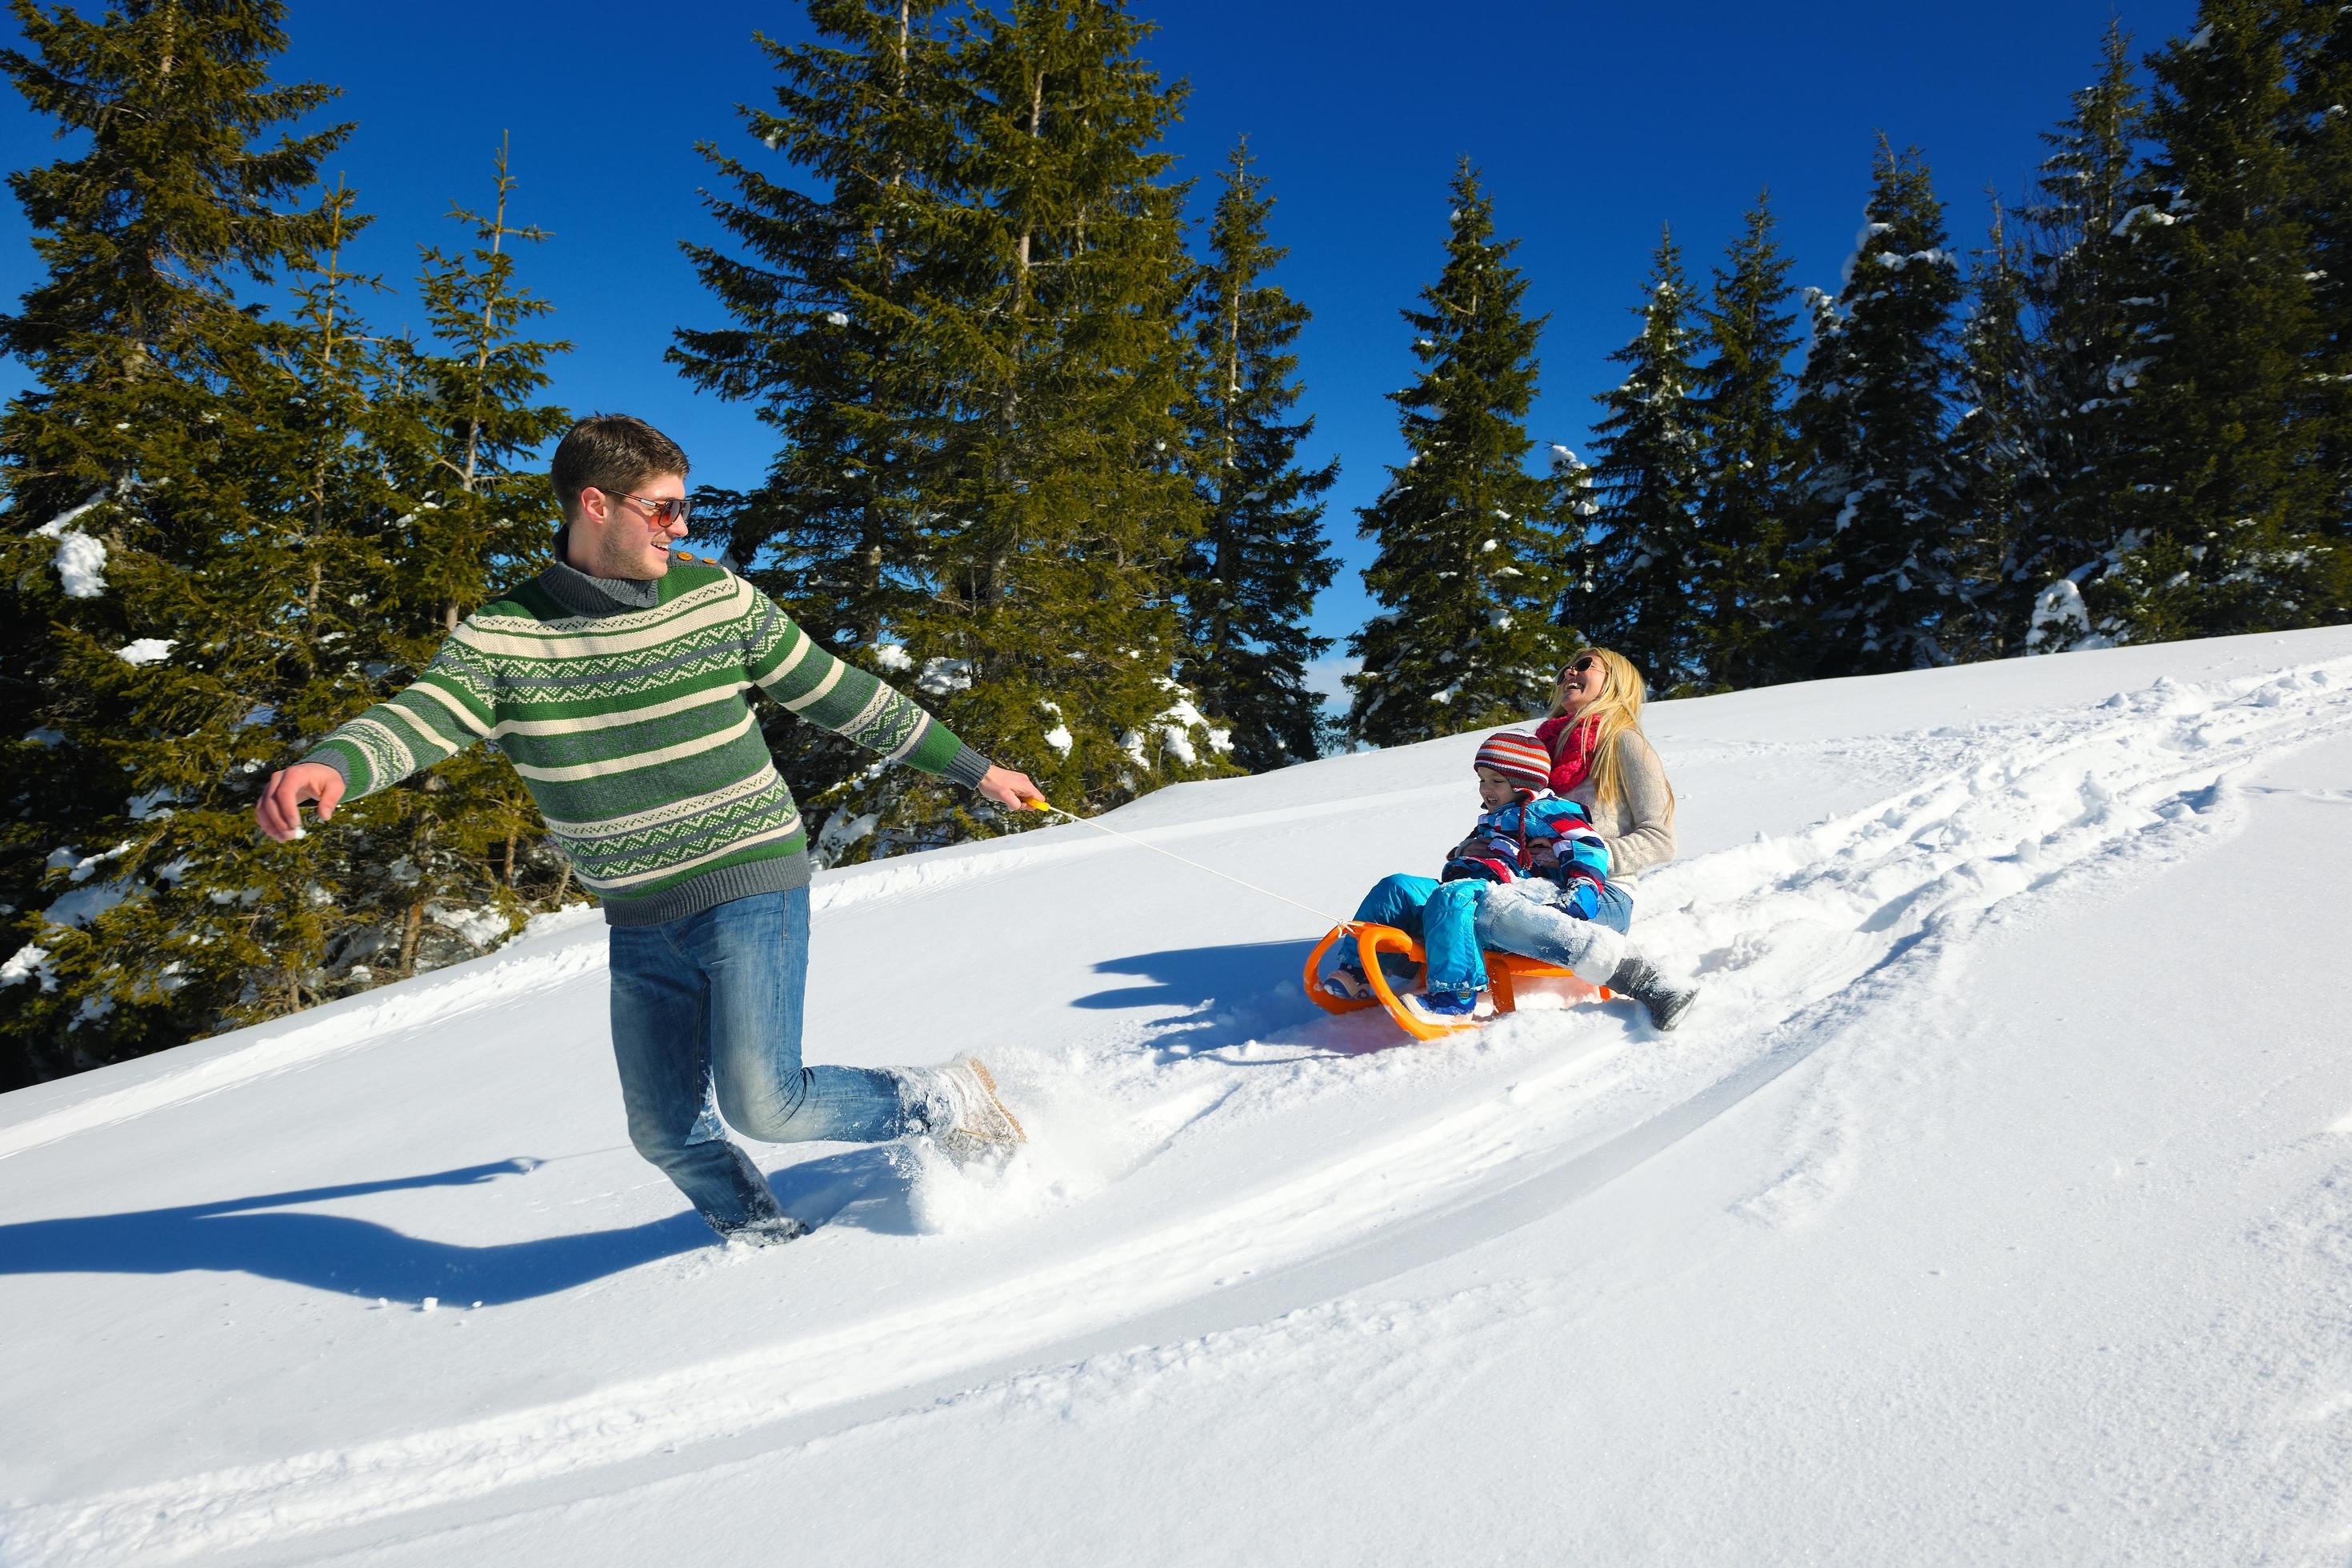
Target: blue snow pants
(1444, 916)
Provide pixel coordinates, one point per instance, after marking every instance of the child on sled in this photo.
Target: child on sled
(1529, 879)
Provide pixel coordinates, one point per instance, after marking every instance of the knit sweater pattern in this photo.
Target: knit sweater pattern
(629, 723)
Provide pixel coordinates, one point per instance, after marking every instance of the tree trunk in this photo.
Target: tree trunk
(412, 928)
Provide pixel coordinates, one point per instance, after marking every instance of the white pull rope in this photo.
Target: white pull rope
(1211, 871)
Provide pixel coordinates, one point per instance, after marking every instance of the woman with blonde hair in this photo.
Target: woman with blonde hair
(1599, 758)
(1601, 761)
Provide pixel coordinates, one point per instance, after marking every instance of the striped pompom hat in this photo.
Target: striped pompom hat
(1518, 757)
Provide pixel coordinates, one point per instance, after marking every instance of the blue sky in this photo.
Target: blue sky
(1594, 124)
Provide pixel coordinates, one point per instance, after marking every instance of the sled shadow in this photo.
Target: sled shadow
(1228, 996)
(339, 1253)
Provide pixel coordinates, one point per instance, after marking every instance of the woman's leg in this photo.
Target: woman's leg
(1616, 910)
(1519, 918)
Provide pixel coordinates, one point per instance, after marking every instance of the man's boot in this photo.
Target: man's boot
(967, 1118)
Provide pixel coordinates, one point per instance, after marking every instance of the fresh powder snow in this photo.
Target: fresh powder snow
(80, 560)
(1993, 1203)
(147, 650)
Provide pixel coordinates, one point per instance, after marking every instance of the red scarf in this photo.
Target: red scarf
(1570, 743)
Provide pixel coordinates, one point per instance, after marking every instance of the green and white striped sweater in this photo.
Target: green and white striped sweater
(630, 726)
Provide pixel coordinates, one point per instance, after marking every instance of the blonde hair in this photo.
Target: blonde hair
(1618, 709)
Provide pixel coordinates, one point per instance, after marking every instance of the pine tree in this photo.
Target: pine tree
(459, 430)
(138, 561)
(1879, 505)
(1644, 564)
(2081, 277)
(2223, 485)
(823, 301)
(1262, 557)
(1740, 600)
(973, 349)
(2321, 141)
(1057, 509)
(1998, 453)
(1470, 546)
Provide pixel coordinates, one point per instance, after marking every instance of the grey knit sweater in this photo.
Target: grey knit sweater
(1639, 826)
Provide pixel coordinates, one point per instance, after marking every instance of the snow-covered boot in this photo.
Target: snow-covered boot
(1450, 1007)
(1637, 977)
(972, 1120)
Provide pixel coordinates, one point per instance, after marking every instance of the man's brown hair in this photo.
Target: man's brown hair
(615, 453)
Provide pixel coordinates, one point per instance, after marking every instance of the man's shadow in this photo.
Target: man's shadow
(861, 1187)
(1227, 996)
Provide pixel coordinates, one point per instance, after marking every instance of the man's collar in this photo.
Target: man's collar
(584, 595)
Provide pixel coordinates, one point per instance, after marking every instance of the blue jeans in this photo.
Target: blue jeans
(706, 1024)
(1521, 918)
(1442, 914)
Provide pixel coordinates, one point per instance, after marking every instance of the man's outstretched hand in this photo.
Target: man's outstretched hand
(280, 809)
(1003, 786)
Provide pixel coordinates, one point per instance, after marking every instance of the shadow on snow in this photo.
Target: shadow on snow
(264, 1235)
(1230, 996)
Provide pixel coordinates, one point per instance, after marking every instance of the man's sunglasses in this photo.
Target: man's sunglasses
(660, 510)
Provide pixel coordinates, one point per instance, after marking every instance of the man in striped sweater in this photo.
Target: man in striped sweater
(616, 682)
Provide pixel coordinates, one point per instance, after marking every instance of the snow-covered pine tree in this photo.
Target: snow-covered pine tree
(2081, 278)
(1878, 506)
(1471, 546)
(2321, 141)
(1262, 557)
(1057, 509)
(1740, 599)
(1639, 570)
(143, 484)
(822, 298)
(1996, 446)
(247, 595)
(2224, 488)
(457, 861)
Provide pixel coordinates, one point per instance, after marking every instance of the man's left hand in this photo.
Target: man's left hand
(1008, 788)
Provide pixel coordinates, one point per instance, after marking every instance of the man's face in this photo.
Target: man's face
(624, 539)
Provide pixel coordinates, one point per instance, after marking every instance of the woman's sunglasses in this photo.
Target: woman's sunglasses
(1579, 667)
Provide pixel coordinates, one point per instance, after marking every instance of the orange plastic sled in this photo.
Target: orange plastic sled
(1504, 971)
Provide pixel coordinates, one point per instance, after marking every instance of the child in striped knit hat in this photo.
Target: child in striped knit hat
(1524, 833)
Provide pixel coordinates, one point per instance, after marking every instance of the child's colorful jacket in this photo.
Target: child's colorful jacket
(1510, 838)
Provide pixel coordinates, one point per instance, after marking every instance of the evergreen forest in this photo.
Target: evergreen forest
(1038, 434)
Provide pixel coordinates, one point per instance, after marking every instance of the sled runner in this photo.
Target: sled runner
(1504, 971)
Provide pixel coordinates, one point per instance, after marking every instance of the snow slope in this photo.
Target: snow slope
(1994, 1204)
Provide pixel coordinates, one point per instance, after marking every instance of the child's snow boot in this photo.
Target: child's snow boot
(973, 1120)
(1349, 983)
(1637, 977)
(1450, 1007)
